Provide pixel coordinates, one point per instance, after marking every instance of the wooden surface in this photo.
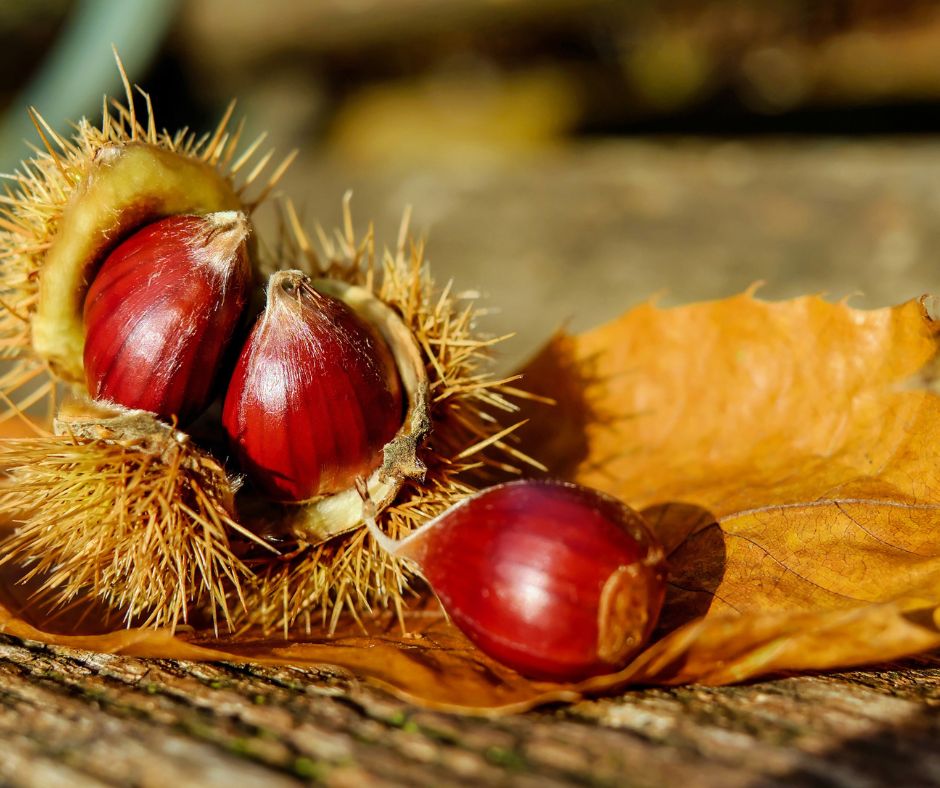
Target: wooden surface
(582, 233)
(76, 718)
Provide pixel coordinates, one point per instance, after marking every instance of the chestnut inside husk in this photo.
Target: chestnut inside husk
(109, 183)
(163, 310)
(329, 514)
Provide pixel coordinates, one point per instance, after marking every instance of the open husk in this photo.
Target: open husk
(270, 566)
(65, 207)
(319, 519)
(125, 509)
(467, 411)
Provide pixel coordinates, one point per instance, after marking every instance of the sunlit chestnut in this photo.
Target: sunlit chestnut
(557, 581)
(314, 397)
(162, 310)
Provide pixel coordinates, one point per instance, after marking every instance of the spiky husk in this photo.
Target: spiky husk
(142, 525)
(147, 528)
(35, 196)
(93, 521)
(62, 487)
(469, 441)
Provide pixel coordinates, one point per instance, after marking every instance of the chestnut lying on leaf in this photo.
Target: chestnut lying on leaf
(555, 580)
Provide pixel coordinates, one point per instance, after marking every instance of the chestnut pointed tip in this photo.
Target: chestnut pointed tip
(291, 289)
(233, 221)
(389, 545)
(107, 153)
(223, 233)
(287, 282)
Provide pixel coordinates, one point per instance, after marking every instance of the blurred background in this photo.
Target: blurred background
(567, 158)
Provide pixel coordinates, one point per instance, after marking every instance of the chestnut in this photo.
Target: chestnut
(162, 310)
(555, 580)
(315, 395)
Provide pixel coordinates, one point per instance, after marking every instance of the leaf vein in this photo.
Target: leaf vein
(786, 568)
(885, 542)
(706, 592)
(822, 502)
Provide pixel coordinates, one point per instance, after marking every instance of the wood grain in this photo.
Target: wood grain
(70, 717)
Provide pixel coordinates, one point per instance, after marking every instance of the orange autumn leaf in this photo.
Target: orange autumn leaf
(787, 454)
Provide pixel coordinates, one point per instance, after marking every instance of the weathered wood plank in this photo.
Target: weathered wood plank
(71, 717)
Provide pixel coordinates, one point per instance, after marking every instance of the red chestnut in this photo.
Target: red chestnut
(315, 395)
(557, 581)
(162, 310)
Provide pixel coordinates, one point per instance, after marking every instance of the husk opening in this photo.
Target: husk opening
(75, 198)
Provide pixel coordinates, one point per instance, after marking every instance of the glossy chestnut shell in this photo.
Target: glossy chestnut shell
(314, 397)
(558, 581)
(161, 312)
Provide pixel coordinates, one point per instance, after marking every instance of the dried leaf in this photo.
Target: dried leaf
(788, 454)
